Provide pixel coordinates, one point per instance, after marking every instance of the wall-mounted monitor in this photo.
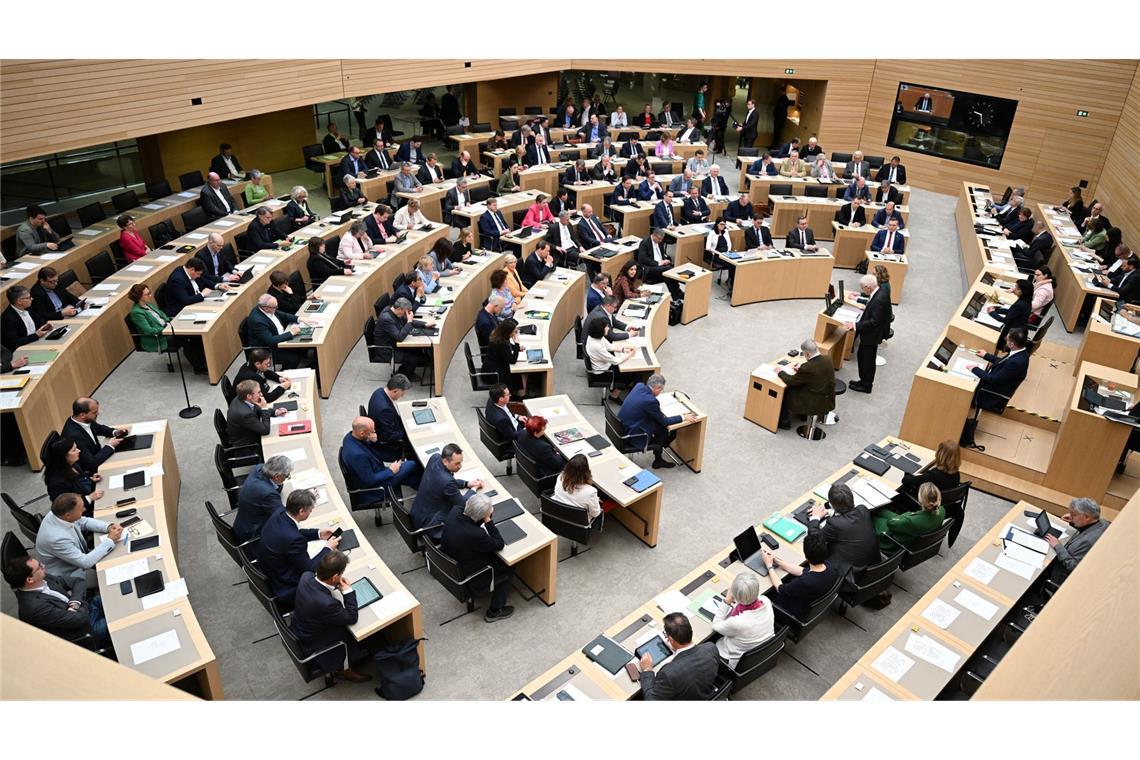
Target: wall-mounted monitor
(960, 126)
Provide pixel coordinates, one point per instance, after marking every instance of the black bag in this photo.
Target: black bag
(675, 312)
(861, 267)
(398, 665)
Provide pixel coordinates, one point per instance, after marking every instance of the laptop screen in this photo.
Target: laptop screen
(747, 543)
(946, 350)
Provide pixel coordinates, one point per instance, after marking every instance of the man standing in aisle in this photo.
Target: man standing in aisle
(871, 329)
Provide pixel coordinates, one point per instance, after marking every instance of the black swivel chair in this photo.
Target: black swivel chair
(531, 476)
(125, 201)
(356, 501)
(29, 522)
(815, 191)
(377, 354)
(446, 570)
(756, 661)
(414, 538)
(100, 267)
(159, 189)
(195, 218)
(225, 533)
(480, 380)
(840, 158)
(569, 521)
(245, 455)
(501, 449)
(863, 586)
(190, 180)
(922, 547)
(798, 628)
(616, 432)
(90, 214)
(227, 388)
(779, 188)
(749, 152)
(162, 233)
(231, 481)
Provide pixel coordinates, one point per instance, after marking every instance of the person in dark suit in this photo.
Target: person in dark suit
(320, 620)
(894, 172)
(57, 604)
(268, 327)
(321, 266)
(533, 444)
(577, 174)
(378, 225)
(379, 131)
(561, 201)
(795, 594)
(369, 470)
(262, 233)
(695, 209)
(469, 536)
(604, 312)
(378, 157)
(997, 384)
(394, 325)
(259, 368)
(538, 264)
(297, 209)
(1015, 316)
(787, 148)
(449, 107)
(218, 259)
(226, 164)
(852, 214)
(431, 172)
(1039, 250)
(652, 258)
(887, 192)
(663, 217)
(353, 164)
(1127, 285)
(739, 209)
(564, 241)
(631, 148)
(287, 299)
(889, 239)
(590, 229)
(49, 301)
(283, 554)
(497, 412)
(492, 225)
(457, 197)
(391, 438)
(714, 184)
(756, 235)
(85, 430)
(182, 288)
(885, 214)
(871, 330)
(1020, 228)
(333, 142)
(537, 153)
(440, 490)
(624, 193)
(638, 169)
(811, 389)
(410, 151)
(488, 319)
(259, 496)
(247, 418)
(801, 236)
(215, 198)
(650, 189)
(19, 325)
(764, 166)
(849, 531)
(63, 474)
(857, 167)
(641, 414)
(748, 127)
(690, 675)
(858, 189)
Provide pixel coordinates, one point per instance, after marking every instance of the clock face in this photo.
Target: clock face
(981, 114)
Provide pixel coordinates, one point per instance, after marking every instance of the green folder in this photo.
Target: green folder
(786, 528)
(41, 357)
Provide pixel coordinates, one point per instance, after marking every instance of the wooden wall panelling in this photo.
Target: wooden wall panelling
(368, 77)
(1046, 125)
(519, 92)
(51, 106)
(1119, 186)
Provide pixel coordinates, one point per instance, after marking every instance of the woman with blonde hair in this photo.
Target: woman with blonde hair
(895, 530)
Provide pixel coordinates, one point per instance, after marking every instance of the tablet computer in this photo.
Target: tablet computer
(655, 647)
(142, 544)
(133, 480)
(423, 416)
(149, 583)
(366, 593)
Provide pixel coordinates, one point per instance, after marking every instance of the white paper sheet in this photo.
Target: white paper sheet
(224, 223)
(295, 455)
(1021, 554)
(165, 257)
(156, 646)
(106, 286)
(893, 664)
(187, 194)
(926, 648)
(874, 695)
(976, 604)
(174, 590)
(147, 428)
(981, 571)
(9, 399)
(391, 604)
(196, 236)
(126, 571)
(153, 206)
(941, 614)
(672, 601)
(1006, 562)
(138, 268)
(1027, 540)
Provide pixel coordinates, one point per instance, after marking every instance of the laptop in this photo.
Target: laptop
(534, 355)
(748, 550)
(946, 351)
(974, 306)
(366, 593)
(1044, 527)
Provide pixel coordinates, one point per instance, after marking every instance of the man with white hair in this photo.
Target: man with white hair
(472, 540)
(714, 184)
(645, 422)
(219, 262)
(812, 149)
(260, 496)
(215, 198)
(871, 329)
(1084, 516)
(810, 387)
(267, 327)
(857, 167)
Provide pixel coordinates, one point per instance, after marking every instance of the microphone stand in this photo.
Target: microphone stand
(191, 411)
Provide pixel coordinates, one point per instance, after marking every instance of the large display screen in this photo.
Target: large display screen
(960, 126)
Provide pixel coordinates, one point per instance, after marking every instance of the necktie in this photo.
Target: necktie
(890, 241)
(541, 155)
(595, 228)
(498, 222)
(803, 239)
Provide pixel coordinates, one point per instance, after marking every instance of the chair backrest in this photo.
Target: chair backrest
(1039, 335)
(29, 522)
(220, 428)
(531, 474)
(840, 158)
(309, 151)
(226, 475)
(501, 449)
(760, 659)
(49, 439)
(616, 432)
(190, 180)
(508, 111)
(11, 548)
(67, 278)
(258, 583)
(456, 130)
(481, 126)
(162, 233)
(955, 498)
(662, 167)
(90, 214)
(875, 162)
(480, 380)
(782, 188)
(375, 354)
(297, 283)
(355, 500)
(160, 189)
(307, 666)
(227, 387)
(60, 224)
(224, 533)
(623, 136)
(566, 520)
(868, 582)
(243, 333)
(925, 546)
(532, 110)
(816, 610)
(136, 338)
(100, 266)
(579, 349)
(125, 201)
(411, 537)
(445, 570)
(194, 218)
(382, 303)
(283, 225)
(816, 191)
(335, 205)
(160, 295)
(748, 152)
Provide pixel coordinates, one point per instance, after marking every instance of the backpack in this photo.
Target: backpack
(675, 309)
(398, 665)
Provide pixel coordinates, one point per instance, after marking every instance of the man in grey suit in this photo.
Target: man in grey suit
(681, 183)
(604, 312)
(690, 675)
(54, 603)
(60, 542)
(1084, 516)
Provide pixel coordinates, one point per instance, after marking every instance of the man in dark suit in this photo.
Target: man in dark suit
(852, 213)
(801, 236)
(598, 290)
(394, 325)
(215, 198)
(756, 234)
(663, 217)
(49, 301)
(857, 167)
(714, 184)
(268, 327)
(561, 202)
(886, 213)
(431, 172)
(1039, 250)
(378, 158)
(641, 414)
(871, 329)
(887, 192)
(379, 131)
(695, 209)
(283, 554)
(624, 192)
(577, 174)
(537, 153)
(739, 209)
(391, 439)
(997, 384)
(457, 197)
(590, 229)
(381, 217)
(538, 264)
(353, 164)
(367, 468)
(463, 166)
(604, 312)
(631, 148)
(603, 171)
(19, 325)
(811, 389)
(1020, 228)
(182, 288)
(889, 240)
(56, 604)
(787, 148)
(492, 225)
(564, 240)
(85, 430)
(410, 151)
(593, 131)
(259, 368)
(690, 675)
(604, 149)
(247, 418)
(488, 319)
(449, 110)
(469, 536)
(1127, 284)
(226, 164)
(747, 129)
(320, 620)
(894, 172)
(333, 142)
(653, 261)
(497, 412)
(259, 496)
(440, 490)
(218, 257)
(849, 531)
(857, 189)
(764, 166)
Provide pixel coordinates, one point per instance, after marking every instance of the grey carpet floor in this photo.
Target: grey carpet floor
(748, 472)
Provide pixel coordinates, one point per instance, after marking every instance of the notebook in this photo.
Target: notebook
(510, 532)
(789, 530)
(295, 428)
(609, 654)
(642, 481)
(507, 509)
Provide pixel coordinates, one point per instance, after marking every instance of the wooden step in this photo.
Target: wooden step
(1013, 488)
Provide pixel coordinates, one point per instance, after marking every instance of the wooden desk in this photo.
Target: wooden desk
(535, 556)
(544, 178)
(130, 621)
(470, 141)
(330, 160)
(757, 187)
(851, 243)
(398, 615)
(624, 249)
(562, 295)
(1071, 289)
(592, 193)
(786, 210)
(896, 266)
(960, 589)
(1101, 343)
(772, 276)
(653, 325)
(688, 241)
(634, 220)
(697, 283)
(508, 204)
(431, 196)
(766, 392)
(832, 335)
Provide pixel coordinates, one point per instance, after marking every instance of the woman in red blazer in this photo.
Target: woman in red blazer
(132, 243)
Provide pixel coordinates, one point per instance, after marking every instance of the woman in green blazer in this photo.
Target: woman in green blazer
(893, 528)
(149, 321)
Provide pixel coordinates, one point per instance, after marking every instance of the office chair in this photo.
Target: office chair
(377, 354)
(159, 189)
(245, 455)
(224, 532)
(503, 450)
(190, 180)
(125, 201)
(29, 522)
(231, 481)
(756, 661)
(100, 267)
(136, 340)
(921, 548)
(569, 521)
(356, 501)
(162, 233)
(414, 538)
(863, 586)
(90, 214)
(971, 426)
(11, 548)
(749, 152)
(194, 218)
(61, 227)
(446, 570)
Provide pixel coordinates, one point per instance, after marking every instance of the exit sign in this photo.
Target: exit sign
(1083, 114)
(789, 71)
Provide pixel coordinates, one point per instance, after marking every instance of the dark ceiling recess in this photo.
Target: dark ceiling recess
(195, 101)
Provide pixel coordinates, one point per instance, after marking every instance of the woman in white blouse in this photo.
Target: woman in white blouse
(603, 359)
(745, 619)
(409, 217)
(575, 486)
(356, 244)
(1042, 292)
(717, 241)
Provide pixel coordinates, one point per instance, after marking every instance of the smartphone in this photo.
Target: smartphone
(125, 588)
(125, 502)
(337, 533)
(594, 454)
(491, 493)
(632, 671)
(126, 512)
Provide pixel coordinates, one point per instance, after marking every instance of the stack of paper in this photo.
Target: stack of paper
(930, 650)
(893, 664)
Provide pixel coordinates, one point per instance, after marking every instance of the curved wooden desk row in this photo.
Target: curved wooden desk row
(98, 339)
(398, 615)
(550, 307)
(758, 188)
(1073, 285)
(535, 556)
(743, 163)
(97, 238)
(787, 209)
(580, 678)
(779, 273)
(431, 196)
(921, 653)
(852, 243)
